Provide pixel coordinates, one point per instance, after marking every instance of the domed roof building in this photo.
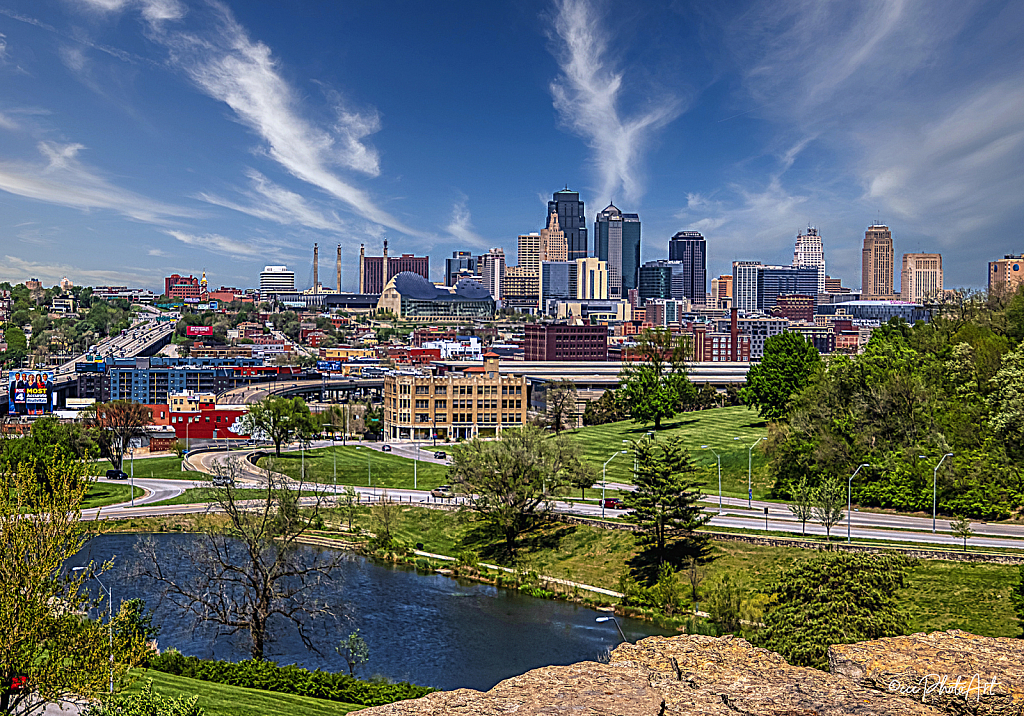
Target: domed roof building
(413, 298)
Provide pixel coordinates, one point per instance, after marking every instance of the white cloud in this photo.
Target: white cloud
(270, 201)
(587, 95)
(15, 268)
(153, 10)
(216, 243)
(460, 226)
(64, 180)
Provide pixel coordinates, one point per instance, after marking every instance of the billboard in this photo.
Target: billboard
(199, 330)
(214, 305)
(91, 363)
(30, 392)
(328, 366)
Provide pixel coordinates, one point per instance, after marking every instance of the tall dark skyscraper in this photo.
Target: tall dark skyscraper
(572, 219)
(617, 241)
(690, 248)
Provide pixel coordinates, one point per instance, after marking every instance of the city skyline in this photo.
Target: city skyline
(141, 138)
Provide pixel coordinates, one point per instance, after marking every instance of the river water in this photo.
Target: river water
(429, 629)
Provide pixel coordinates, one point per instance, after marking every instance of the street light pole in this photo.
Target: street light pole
(604, 474)
(935, 475)
(849, 499)
(415, 463)
(131, 453)
(616, 621)
(708, 447)
(750, 464)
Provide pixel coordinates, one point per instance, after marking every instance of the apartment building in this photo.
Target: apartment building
(479, 401)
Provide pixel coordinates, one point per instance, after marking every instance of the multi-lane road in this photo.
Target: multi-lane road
(734, 512)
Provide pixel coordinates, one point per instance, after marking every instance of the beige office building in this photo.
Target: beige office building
(1006, 274)
(591, 278)
(921, 278)
(721, 292)
(480, 401)
(877, 269)
(529, 252)
(553, 244)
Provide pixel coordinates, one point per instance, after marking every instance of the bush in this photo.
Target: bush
(146, 703)
(268, 676)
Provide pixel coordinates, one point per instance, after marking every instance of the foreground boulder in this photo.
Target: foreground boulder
(953, 671)
(677, 676)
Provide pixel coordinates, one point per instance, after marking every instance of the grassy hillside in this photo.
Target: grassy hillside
(223, 700)
(101, 494)
(386, 469)
(164, 468)
(716, 428)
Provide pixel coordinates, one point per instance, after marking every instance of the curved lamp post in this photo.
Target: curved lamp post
(616, 622)
(719, 457)
(604, 473)
(935, 474)
(849, 503)
(750, 465)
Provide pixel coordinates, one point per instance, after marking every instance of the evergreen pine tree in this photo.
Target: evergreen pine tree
(665, 508)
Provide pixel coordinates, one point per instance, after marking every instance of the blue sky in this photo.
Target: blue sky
(144, 137)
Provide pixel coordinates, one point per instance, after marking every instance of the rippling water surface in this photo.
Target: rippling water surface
(425, 628)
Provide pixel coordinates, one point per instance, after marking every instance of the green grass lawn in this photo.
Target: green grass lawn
(164, 468)
(101, 494)
(224, 700)
(386, 469)
(715, 428)
(939, 595)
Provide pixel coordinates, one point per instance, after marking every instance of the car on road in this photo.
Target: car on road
(117, 475)
(613, 503)
(385, 448)
(223, 481)
(442, 491)
(440, 455)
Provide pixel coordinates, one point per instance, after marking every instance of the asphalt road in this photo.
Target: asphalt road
(863, 525)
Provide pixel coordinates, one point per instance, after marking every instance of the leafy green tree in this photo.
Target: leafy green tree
(354, 650)
(1007, 403)
(279, 420)
(665, 508)
(961, 527)
(789, 362)
(561, 405)
(50, 654)
(514, 477)
(606, 409)
(725, 603)
(654, 380)
(115, 424)
(802, 506)
(17, 344)
(147, 703)
(833, 599)
(828, 503)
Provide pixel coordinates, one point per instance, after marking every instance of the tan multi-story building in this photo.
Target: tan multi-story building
(921, 277)
(876, 276)
(480, 401)
(591, 278)
(1006, 274)
(721, 292)
(553, 245)
(529, 252)
(521, 283)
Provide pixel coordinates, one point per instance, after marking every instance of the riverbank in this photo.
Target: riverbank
(939, 595)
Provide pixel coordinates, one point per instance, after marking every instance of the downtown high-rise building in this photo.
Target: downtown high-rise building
(461, 263)
(491, 267)
(554, 245)
(690, 248)
(617, 242)
(756, 287)
(921, 277)
(877, 269)
(572, 220)
(810, 252)
(1006, 274)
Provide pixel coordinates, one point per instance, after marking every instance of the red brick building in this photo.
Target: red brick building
(558, 341)
(182, 287)
(795, 307)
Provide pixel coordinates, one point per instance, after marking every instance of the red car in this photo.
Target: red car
(613, 503)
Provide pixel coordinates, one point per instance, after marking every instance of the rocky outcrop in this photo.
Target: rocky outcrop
(953, 671)
(697, 675)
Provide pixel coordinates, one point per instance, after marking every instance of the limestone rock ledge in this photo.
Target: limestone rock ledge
(955, 671)
(691, 675)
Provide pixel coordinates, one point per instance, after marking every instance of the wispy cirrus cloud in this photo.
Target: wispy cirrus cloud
(270, 201)
(461, 225)
(251, 248)
(15, 269)
(587, 96)
(226, 64)
(63, 179)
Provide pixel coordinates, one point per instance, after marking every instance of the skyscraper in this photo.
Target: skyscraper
(876, 275)
(810, 252)
(617, 241)
(553, 243)
(572, 219)
(690, 248)
(460, 261)
(1006, 274)
(529, 252)
(921, 277)
(492, 268)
